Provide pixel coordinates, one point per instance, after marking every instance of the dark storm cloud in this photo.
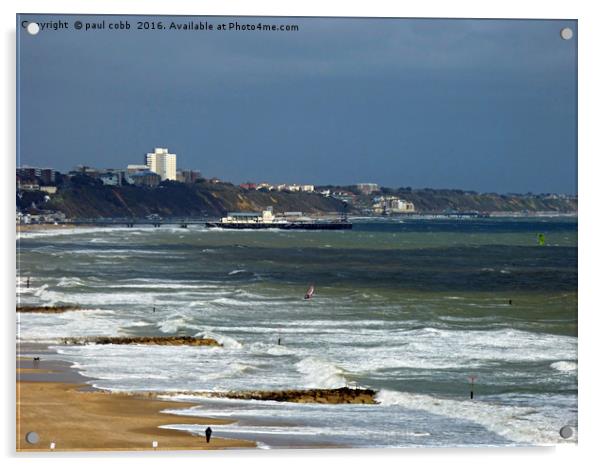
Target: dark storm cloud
(484, 105)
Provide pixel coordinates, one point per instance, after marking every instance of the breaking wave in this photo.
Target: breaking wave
(319, 373)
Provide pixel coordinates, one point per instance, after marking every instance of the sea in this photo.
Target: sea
(423, 311)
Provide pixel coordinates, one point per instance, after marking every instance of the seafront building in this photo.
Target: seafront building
(28, 186)
(344, 196)
(111, 177)
(132, 168)
(45, 176)
(85, 170)
(383, 205)
(266, 186)
(188, 176)
(162, 163)
(293, 188)
(146, 178)
(367, 188)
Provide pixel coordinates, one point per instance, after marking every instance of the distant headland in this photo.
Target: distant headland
(46, 196)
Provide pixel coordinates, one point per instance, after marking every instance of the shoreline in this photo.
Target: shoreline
(32, 227)
(55, 401)
(27, 227)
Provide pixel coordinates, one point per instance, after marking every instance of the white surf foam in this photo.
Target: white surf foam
(224, 340)
(80, 323)
(564, 366)
(230, 302)
(177, 322)
(319, 373)
(69, 282)
(47, 296)
(519, 424)
(71, 231)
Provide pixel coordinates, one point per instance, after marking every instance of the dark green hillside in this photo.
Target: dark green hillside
(84, 197)
(441, 200)
(437, 200)
(174, 200)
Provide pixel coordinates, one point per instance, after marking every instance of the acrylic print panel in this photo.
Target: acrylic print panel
(295, 232)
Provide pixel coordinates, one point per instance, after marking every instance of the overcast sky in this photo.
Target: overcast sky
(485, 105)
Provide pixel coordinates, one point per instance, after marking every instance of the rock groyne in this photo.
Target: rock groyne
(167, 341)
(342, 395)
(47, 309)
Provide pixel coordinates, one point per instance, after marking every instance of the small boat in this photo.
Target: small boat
(310, 292)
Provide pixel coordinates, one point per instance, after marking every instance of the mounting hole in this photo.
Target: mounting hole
(33, 28)
(566, 432)
(32, 438)
(566, 33)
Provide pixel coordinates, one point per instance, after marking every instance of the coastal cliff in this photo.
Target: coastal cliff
(171, 199)
(90, 199)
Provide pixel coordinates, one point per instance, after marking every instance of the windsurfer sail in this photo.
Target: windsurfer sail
(310, 292)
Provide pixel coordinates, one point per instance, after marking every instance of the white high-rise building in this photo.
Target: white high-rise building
(163, 163)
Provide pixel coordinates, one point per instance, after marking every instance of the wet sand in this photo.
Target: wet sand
(54, 402)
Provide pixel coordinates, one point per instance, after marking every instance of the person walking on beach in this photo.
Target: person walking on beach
(208, 432)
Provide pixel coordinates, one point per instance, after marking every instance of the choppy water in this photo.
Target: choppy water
(410, 309)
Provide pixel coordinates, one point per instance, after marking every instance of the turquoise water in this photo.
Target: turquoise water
(411, 309)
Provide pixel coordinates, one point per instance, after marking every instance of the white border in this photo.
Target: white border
(590, 153)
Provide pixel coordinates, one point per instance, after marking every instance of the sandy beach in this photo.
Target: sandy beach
(53, 401)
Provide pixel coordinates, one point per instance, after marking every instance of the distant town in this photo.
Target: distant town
(36, 188)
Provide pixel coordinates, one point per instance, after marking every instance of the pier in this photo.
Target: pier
(184, 222)
(132, 222)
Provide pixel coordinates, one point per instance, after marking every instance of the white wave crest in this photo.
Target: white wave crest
(49, 297)
(273, 350)
(225, 341)
(68, 282)
(564, 366)
(320, 374)
(176, 323)
(229, 302)
(233, 370)
(69, 231)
